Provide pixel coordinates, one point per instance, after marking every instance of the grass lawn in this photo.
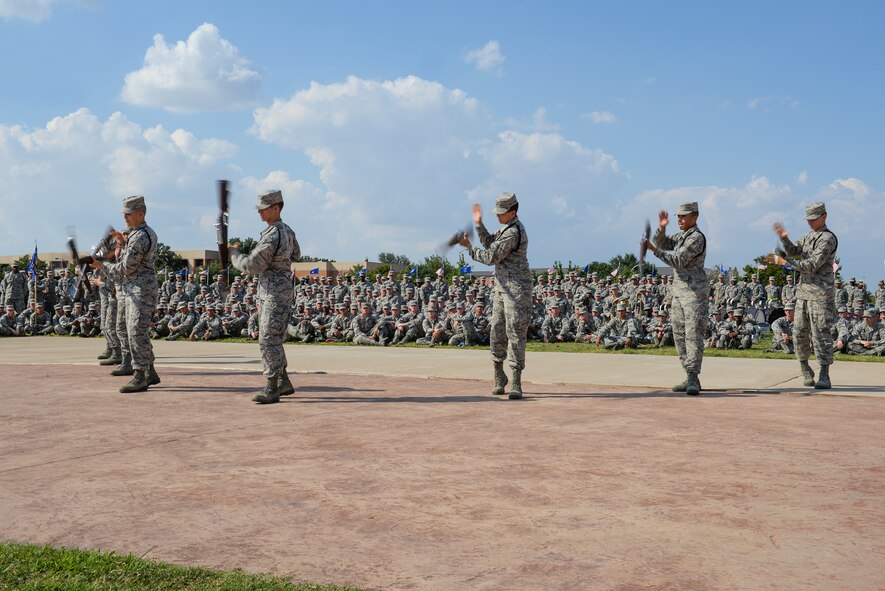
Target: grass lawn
(28, 567)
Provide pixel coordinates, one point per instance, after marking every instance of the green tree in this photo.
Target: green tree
(394, 259)
(25, 260)
(430, 264)
(168, 259)
(246, 244)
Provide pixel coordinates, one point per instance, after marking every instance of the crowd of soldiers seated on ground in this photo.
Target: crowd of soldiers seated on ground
(600, 311)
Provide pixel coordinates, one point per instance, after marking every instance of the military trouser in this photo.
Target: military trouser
(858, 349)
(364, 340)
(617, 343)
(273, 319)
(109, 319)
(120, 324)
(7, 332)
(779, 346)
(511, 315)
(813, 323)
(140, 307)
(689, 318)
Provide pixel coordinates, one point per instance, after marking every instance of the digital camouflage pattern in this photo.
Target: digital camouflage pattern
(271, 260)
(686, 252)
(136, 275)
(813, 257)
(507, 250)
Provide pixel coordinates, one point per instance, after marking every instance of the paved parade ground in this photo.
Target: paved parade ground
(375, 475)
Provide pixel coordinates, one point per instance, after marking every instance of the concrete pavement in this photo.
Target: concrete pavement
(644, 371)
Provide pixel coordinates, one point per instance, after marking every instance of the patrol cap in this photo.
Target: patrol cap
(57, 307)
(182, 304)
(738, 311)
(91, 305)
(10, 307)
(354, 307)
(366, 305)
(870, 313)
(620, 307)
(504, 202)
(582, 310)
(191, 305)
(219, 307)
(412, 303)
(687, 208)
(404, 308)
(553, 304)
(133, 204)
(66, 308)
(815, 210)
(793, 307)
(432, 309)
(460, 305)
(479, 303)
(269, 198)
(385, 306)
(841, 310)
(39, 304)
(78, 304)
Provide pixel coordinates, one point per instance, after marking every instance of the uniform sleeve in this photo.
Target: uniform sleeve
(791, 250)
(259, 260)
(662, 241)
(679, 258)
(484, 237)
(137, 246)
(496, 251)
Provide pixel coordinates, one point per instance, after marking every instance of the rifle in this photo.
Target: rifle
(643, 246)
(221, 228)
(80, 264)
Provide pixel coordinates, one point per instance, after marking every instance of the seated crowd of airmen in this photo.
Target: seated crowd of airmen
(613, 313)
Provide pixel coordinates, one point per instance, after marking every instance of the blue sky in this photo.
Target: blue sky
(383, 121)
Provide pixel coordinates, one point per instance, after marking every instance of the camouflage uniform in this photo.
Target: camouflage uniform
(136, 274)
(813, 256)
(507, 250)
(685, 252)
(271, 259)
(780, 327)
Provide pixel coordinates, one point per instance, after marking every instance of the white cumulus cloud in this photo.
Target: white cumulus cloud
(75, 169)
(204, 73)
(400, 162)
(486, 58)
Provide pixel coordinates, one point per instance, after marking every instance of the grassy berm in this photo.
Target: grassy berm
(28, 567)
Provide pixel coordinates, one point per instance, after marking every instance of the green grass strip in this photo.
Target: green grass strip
(29, 567)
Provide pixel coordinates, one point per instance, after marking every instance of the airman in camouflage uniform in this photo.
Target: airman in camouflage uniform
(512, 304)
(813, 256)
(868, 337)
(619, 332)
(685, 252)
(271, 259)
(782, 331)
(135, 271)
(363, 327)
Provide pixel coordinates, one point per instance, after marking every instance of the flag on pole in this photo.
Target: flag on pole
(617, 271)
(315, 271)
(32, 266)
(414, 271)
(465, 269)
(182, 273)
(836, 267)
(586, 269)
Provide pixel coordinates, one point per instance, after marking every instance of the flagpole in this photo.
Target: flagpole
(34, 272)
